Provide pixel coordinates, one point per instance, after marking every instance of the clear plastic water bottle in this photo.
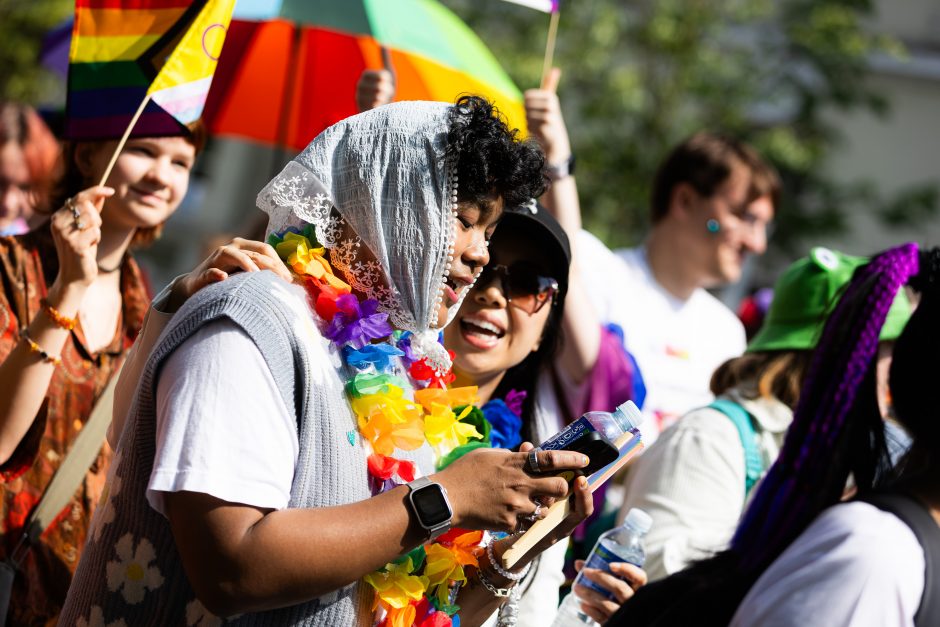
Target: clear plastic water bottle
(621, 544)
(570, 614)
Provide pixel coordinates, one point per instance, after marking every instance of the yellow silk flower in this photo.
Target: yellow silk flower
(454, 397)
(396, 587)
(441, 567)
(443, 428)
(391, 402)
(307, 260)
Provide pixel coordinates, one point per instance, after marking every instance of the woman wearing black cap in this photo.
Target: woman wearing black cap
(507, 336)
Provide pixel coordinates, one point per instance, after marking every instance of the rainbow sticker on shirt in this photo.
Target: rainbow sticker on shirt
(679, 353)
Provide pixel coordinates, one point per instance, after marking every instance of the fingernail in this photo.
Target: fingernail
(585, 460)
(582, 482)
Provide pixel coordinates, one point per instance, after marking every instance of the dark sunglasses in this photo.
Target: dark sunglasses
(522, 285)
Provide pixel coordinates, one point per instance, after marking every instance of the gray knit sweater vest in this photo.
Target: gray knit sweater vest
(131, 573)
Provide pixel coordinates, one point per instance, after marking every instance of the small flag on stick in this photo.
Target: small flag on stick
(546, 6)
(118, 50)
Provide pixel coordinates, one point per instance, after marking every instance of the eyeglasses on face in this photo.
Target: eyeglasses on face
(522, 285)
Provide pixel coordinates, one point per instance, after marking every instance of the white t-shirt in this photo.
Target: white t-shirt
(231, 436)
(855, 566)
(677, 344)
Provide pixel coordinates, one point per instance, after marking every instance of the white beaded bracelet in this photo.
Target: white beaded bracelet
(499, 568)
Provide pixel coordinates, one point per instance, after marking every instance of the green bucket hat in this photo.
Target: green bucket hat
(805, 294)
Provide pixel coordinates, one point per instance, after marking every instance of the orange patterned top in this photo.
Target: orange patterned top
(28, 266)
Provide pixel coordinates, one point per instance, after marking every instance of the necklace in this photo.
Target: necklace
(420, 587)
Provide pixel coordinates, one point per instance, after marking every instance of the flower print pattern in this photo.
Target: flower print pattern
(133, 573)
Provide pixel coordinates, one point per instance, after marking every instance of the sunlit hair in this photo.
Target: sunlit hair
(20, 124)
(492, 159)
(706, 161)
(73, 181)
(777, 374)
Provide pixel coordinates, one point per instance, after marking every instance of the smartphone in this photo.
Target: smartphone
(598, 448)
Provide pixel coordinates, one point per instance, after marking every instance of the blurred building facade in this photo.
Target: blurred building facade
(903, 149)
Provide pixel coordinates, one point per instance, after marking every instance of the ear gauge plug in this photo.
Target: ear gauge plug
(713, 225)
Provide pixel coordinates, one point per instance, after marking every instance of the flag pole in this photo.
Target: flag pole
(120, 146)
(550, 46)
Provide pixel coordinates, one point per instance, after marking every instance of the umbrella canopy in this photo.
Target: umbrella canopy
(282, 80)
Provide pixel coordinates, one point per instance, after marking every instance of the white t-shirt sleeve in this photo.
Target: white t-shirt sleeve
(855, 566)
(222, 427)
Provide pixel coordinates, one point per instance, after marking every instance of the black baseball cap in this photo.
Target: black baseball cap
(536, 223)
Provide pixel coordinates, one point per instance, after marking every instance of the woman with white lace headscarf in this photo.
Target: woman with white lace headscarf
(241, 486)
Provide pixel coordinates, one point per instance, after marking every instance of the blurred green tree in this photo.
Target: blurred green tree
(641, 75)
(23, 23)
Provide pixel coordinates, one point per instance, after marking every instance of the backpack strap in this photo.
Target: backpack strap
(915, 515)
(740, 418)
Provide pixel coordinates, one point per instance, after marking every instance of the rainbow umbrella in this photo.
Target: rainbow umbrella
(289, 69)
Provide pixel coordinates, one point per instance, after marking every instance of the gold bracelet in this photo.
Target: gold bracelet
(63, 322)
(36, 348)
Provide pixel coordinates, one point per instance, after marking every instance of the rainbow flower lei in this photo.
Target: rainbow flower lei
(418, 589)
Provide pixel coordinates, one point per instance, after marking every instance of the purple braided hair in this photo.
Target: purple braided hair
(788, 497)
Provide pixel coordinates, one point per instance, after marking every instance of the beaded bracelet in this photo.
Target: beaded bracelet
(36, 348)
(511, 576)
(63, 322)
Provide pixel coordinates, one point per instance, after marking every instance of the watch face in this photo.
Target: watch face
(431, 505)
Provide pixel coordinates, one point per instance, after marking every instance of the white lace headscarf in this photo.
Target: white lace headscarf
(383, 173)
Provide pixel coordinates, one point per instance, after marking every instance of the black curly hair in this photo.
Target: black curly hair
(491, 158)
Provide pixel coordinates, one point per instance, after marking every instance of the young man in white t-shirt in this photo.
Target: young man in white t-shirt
(712, 200)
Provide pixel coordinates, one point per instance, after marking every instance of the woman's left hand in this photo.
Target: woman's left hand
(238, 255)
(622, 581)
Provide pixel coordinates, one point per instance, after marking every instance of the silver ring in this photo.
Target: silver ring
(71, 206)
(538, 510)
(525, 521)
(533, 462)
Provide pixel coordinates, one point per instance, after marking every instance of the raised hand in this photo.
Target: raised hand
(544, 119)
(76, 230)
(374, 89)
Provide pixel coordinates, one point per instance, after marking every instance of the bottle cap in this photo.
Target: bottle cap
(639, 520)
(630, 414)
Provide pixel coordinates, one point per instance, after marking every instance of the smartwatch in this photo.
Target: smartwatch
(558, 171)
(430, 505)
